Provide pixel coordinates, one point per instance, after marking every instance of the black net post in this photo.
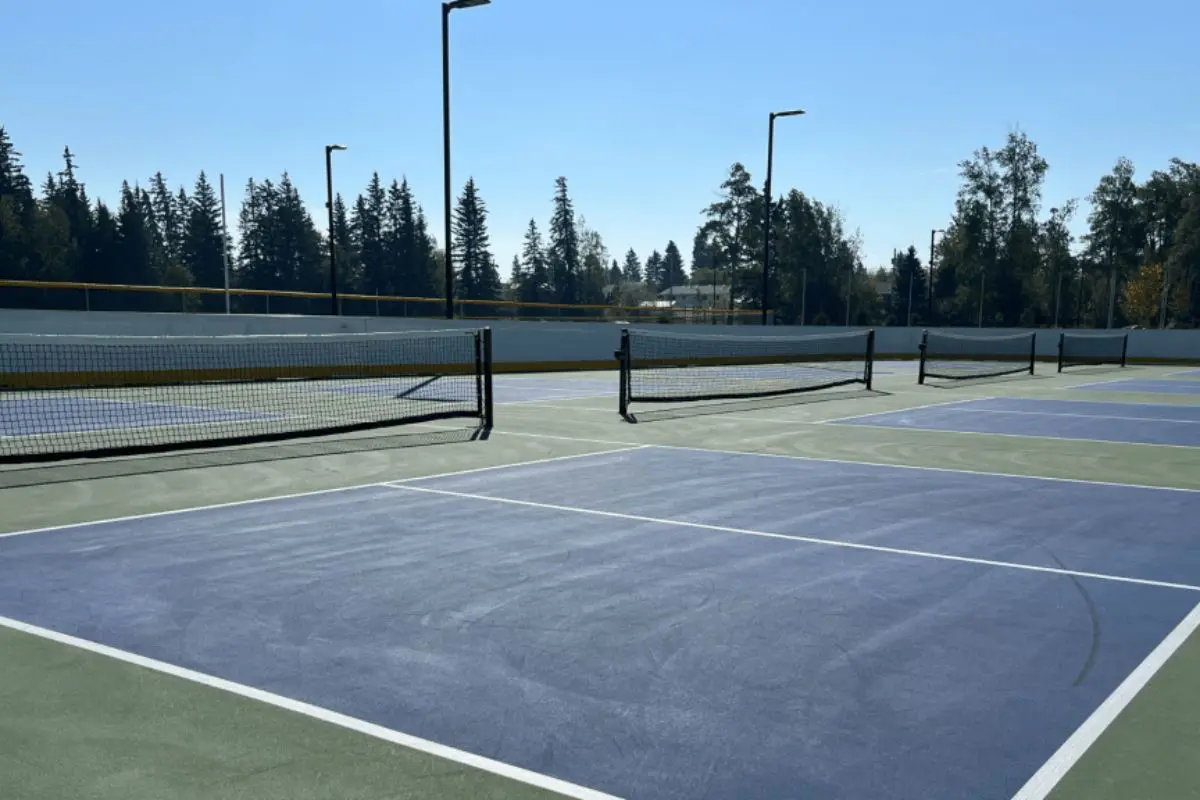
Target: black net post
(924, 348)
(869, 369)
(1062, 341)
(623, 357)
(1124, 349)
(489, 412)
(1032, 352)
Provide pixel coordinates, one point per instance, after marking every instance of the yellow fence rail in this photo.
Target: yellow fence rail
(130, 297)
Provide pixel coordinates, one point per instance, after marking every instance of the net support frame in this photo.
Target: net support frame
(1064, 361)
(924, 371)
(134, 381)
(628, 364)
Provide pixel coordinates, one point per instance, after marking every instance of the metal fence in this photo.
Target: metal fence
(64, 296)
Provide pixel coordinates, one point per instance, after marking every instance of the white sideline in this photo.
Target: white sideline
(316, 712)
(1059, 764)
(628, 446)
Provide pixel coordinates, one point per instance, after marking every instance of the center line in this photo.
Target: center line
(804, 539)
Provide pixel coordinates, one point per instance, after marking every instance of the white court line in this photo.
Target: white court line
(1059, 764)
(1022, 436)
(316, 712)
(628, 446)
(850, 462)
(910, 408)
(548, 402)
(1070, 414)
(873, 548)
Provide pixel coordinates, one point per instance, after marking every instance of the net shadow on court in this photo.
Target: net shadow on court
(96, 469)
(713, 408)
(983, 380)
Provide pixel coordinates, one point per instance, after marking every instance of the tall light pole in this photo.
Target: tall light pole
(932, 257)
(449, 259)
(334, 308)
(766, 271)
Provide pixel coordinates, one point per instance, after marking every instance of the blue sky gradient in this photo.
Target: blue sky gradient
(642, 104)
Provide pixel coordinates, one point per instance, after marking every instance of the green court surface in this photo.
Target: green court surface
(83, 724)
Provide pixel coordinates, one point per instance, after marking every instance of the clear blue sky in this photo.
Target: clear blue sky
(642, 104)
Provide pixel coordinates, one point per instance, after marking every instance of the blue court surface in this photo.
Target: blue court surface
(1142, 386)
(661, 623)
(37, 416)
(1064, 419)
(1194, 373)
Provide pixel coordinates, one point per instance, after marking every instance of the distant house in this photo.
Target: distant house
(695, 296)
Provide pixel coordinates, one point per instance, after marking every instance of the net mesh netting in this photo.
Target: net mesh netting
(66, 396)
(1089, 349)
(953, 356)
(662, 367)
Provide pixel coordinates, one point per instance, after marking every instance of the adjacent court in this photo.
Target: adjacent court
(661, 622)
(1136, 423)
(66, 414)
(1143, 386)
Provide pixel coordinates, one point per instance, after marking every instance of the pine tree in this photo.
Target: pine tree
(72, 198)
(563, 253)
(477, 277)
(101, 258)
(516, 279)
(429, 268)
(615, 275)
(672, 273)
(348, 263)
(135, 245)
(368, 225)
(168, 217)
(203, 249)
(633, 267)
(298, 245)
(18, 215)
(536, 285)
(654, 270)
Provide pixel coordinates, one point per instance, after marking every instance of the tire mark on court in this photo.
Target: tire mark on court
(1094, 650)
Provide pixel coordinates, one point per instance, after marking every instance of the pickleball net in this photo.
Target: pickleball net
(1092, 349)
(956, 357)
(99, 396)
(665, 367)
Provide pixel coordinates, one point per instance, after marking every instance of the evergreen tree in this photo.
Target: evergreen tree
(671, 272)
(536, 286)
(169, 218)
(348, 263)
(18, 215)
(477, 277)
(101, 258)
(203, 251)
(368, 226)
(614, 272)
(633, 267)
(908, 284)
(135, 246)
(593, 256)
(429, 265)
(563, 253)
(702, 254)
(516, 279)
(654, 270)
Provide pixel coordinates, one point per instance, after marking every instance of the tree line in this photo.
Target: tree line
(999, 260)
